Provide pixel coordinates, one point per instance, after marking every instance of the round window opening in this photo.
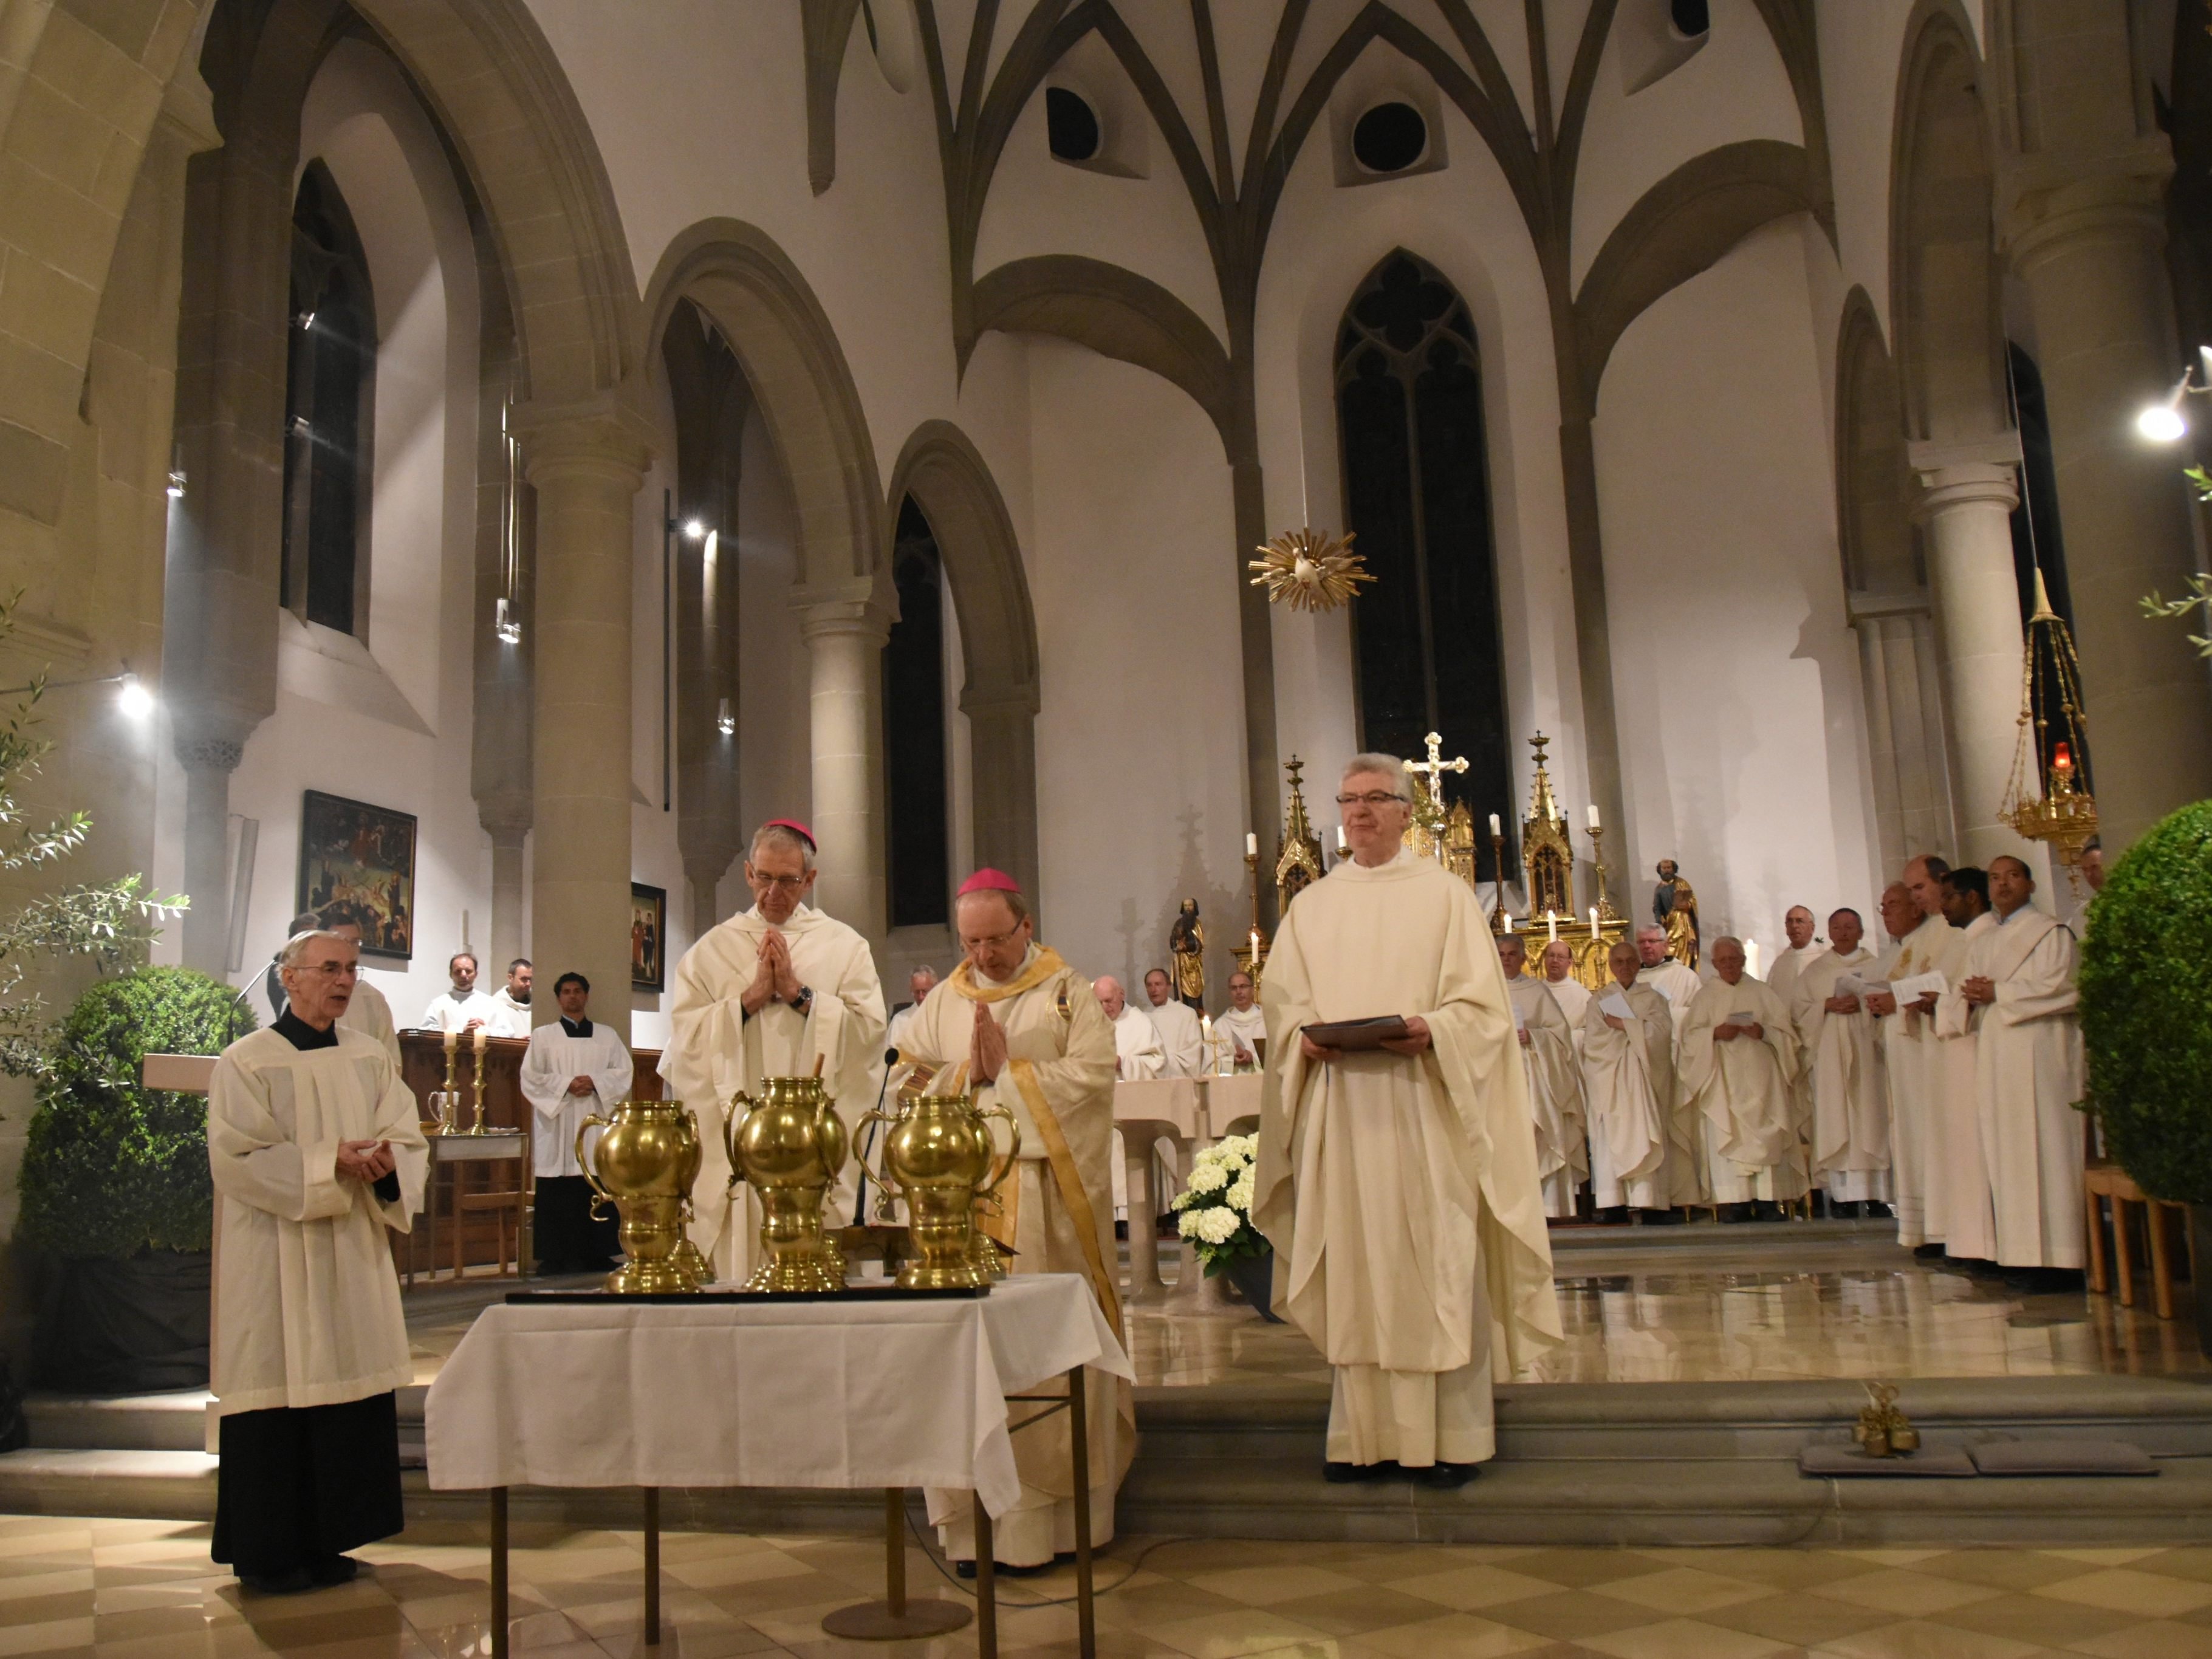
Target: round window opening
(1389, 139)
(1071, 126)
(1691, 18)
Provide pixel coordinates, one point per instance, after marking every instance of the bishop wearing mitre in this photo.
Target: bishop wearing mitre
(775, 992)
(1739, 1061)
(1843, 1065)
(1017, 1025)
(1398, 1185)
(1555, 1081)
(1641, 1157)
(2016, 988)
(316, 1157)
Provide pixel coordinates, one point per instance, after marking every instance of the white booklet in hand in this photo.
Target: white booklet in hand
(1917, 986)
(1520, 1020)
(1616, 1005)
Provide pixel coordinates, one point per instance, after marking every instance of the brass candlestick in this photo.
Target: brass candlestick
(447, 1099)
(1604, 910)
(1498, 896)
(1252, 955)
(476, 1122)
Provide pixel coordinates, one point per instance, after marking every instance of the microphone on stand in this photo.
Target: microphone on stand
(860, 1209)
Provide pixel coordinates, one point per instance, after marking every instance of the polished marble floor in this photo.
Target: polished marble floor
(141, 1589)
(1702, 1304)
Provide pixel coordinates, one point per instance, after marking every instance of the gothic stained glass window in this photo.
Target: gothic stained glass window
(1417, 496)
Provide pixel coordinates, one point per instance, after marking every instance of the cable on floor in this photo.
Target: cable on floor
(968, 1590)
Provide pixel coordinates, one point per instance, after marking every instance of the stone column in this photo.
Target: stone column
(2087, 238)
(845, 635)
(508, 831)
(209, 758)
(586, 463)
(1968, 491)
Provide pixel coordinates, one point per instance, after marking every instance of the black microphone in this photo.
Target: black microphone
(861, 1207)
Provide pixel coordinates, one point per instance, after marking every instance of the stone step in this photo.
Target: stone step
(142, 1422)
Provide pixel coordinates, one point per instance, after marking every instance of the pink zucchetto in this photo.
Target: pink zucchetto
(988, 880)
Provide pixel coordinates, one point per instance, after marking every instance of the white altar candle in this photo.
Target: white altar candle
(1508, 921)
(1593, 922)
(1593, 815)
(1340, 843)
(1496, 830)
(1251, 845)
(1551, 925)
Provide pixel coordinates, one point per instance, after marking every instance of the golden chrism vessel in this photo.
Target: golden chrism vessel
(941, 1157)
(789, 1145)
(644, 1165)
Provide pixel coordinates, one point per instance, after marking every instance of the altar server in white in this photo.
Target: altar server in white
(512, 999)
(1569, 993)
(1676, 982)
(1738, 1060)
(2017, 988)
(1137, 1055)
(1182, 1040)
(1399, 1185)
(1960, 1189)
(368, 1012)
(1843, 1061)
(316, 1157)
(461, 1006)
(1242, 1023)
(573, 1069)
(1916, 1136)
(771, 992)
(1642, 1152)
(1017, 1024)
(1555, 1080)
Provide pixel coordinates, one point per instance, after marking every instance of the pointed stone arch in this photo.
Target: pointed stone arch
(948, 479)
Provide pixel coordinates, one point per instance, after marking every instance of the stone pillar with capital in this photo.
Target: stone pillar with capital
(585, 462)
(1967, 493)
(845, 634)
(209, 751)
(2085, 233)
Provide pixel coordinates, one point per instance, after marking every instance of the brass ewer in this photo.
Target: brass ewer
(789, 1145)
(941, 1157)
(644, 1165)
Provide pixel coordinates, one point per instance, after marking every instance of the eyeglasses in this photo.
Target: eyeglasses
(992, 941)
(780, 884)
(1372, 797)
(327, 970)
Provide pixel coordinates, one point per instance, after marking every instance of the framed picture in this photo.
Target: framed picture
(357, 864)
(648, 937)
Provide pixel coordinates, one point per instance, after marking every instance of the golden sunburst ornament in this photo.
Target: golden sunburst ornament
(1310, 568)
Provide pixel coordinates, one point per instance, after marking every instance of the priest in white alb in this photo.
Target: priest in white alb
(461, 1006)
(2016, 985)
(1137, 1055)
(1555, 1080)
(1958, 1189)
(1569, 993)
(1843, 1063)
(1017, 1025)
(1182, 1040)
(574, 1068)
(1242, 1023)
(1677, 981)
(1916, 1135)
(1802, 952)
(775, 992)
(1398, 1185)
(1640, 1156)
(317, 1158)
(1739, 1058)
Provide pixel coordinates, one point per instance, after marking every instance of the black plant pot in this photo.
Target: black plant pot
(1253, 1277)
(134, 1326)
(2200, 1282)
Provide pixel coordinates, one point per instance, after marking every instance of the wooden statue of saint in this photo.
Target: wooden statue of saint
(1674, 906)
(1187, 945)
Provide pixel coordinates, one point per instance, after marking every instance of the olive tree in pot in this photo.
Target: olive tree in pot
(2147, 1022)
(116, 1191)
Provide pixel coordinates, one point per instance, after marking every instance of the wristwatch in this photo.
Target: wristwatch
(803, 1003)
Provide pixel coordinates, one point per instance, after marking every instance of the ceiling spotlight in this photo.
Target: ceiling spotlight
(725, 722)
(132, 695)
(693, 530)
(2162, 422)
(506, 623)
(177, 484)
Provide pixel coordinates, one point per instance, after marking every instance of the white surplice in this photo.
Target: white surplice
(1400, 1192)
(1555, 1093)
(1628, 1090)
(450, 1010)
(556, 1058)
(1742, 1090)
(1843, 1074)
(1959, 1188)
(1182, 1042)
(513, 1017)
(1248, 1028)
(715, 1053)
(2027, 1069)
(307, 1298)
(368, 1013)
(1916, 1134)
(1138, 1053)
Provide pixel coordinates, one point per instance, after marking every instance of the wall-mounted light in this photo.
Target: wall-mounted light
(2163, 422)
(693, 530)
(506, 623)
(176, 472)
(726, 722)
(133, 696)
(307, 319)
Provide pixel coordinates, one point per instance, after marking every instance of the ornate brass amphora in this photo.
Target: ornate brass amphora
(644, 1165)
(789, 1145)
(940, 1156)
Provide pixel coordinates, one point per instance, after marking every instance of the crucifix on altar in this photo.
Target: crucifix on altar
(1425, 835)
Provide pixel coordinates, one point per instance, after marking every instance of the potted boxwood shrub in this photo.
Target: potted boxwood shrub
(115, 1187)
(2147, 1022)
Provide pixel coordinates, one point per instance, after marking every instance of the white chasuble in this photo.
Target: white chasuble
(1782, 977)
(1555, 1092)
(1741, 1088)
(1916, 1137)
(1844, 1073)
(1246, 1030)
(1677, 983)
(1137, 1055)
(368, 1013)
(1958, 1190)
(1399, 1191)
(1181, 1038)
(715, 1053)
(1628, 1089)
(1573, 997)
(2027, 1072)
(307, 1301)
(1057, 1213)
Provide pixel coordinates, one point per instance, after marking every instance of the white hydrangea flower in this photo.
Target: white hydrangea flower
(1240, 1192)
(1208, 1178)
(1244, 1147)
(1188, 1222)
(1219, 1226)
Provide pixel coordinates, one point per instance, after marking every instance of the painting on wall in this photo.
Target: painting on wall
(357, 865)
(648, 937)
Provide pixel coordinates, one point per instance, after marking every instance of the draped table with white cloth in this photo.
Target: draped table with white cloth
(871, 1388)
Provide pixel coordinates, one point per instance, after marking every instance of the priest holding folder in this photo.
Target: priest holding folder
(1397, 1164)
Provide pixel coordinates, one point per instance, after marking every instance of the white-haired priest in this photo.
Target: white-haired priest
(772, 992)
(317, 1154)
(1017, 1025)
(1398, 1184)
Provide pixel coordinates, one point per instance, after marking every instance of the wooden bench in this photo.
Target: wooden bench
(2103, 1181)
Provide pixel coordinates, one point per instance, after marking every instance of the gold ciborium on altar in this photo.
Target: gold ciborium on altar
(941, 1157)
(788, 1144)
(644, 1164)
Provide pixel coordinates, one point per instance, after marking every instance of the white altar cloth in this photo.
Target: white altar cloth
(830, 1391)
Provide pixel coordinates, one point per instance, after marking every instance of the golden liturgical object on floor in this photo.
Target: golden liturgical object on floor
(1882, 1430)
(941, 1157)
(789, 1145)
(644, 1165)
